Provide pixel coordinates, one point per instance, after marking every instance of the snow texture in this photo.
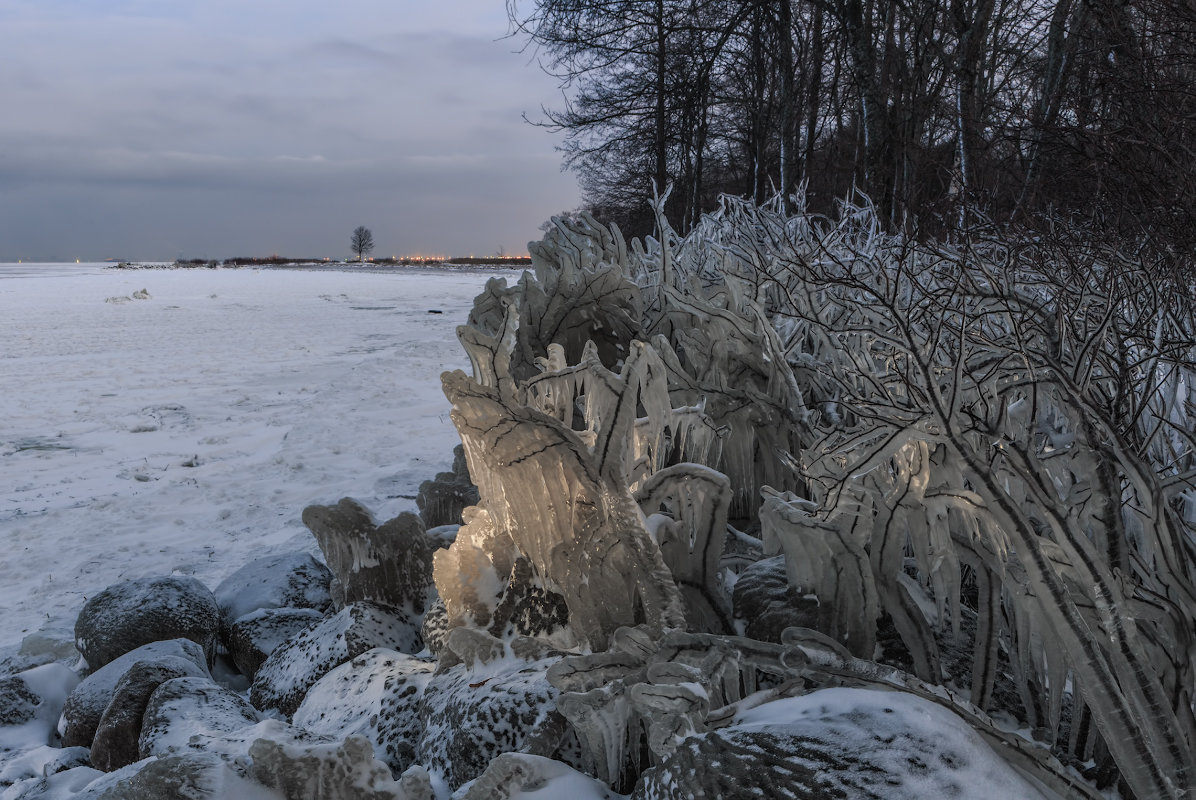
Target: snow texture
(188, 431)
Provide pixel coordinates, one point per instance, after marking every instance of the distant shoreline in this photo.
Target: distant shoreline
(367, 267)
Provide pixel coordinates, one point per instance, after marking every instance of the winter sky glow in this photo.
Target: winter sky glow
(155, 129)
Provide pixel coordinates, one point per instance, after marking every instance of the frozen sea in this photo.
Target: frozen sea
(185, 432)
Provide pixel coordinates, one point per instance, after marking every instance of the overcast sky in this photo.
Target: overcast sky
(156, 129)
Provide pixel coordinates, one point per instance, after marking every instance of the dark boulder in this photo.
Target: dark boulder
(765, 604)
(127, 615)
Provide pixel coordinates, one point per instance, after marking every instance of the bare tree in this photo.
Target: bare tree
(362, 241)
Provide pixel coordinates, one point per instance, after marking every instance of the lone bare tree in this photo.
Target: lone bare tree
(362, 241)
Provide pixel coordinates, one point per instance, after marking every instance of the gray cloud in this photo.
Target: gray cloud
(195, 131)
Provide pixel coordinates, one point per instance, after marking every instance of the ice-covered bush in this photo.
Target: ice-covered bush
(986, 446)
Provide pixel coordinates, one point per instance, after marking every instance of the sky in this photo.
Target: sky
(162, 129)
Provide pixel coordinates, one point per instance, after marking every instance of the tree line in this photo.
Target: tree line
(941, 112)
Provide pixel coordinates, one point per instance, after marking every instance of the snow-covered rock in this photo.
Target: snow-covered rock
(254, 636)
(837, 743)
(472, 714)
(435, 627)
(192, 776)
(389, 564)
(375, 695)
(284, 678)
(115, 743)
(30, 704)
(289, 580)
(337, 771)
(519, 776)
(129, 614)
(86, 703)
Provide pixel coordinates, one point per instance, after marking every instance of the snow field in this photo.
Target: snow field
(186, 432)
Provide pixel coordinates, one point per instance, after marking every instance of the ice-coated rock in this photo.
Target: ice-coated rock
(284, 678)
(254, 636)
(442, 499)
(335, 771)
(288, 580)
(375, 695)
(115, 743)
(189, 716)
(765, 603)
(86, 704)
(471, 715)
(390, 564)
(132, 613)
(519, 775)
(189, 713)
(837, 743)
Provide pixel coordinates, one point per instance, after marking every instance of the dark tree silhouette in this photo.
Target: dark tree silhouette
(362, 241)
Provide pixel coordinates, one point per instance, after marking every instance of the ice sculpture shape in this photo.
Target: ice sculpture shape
(389, 564)
(567, 508)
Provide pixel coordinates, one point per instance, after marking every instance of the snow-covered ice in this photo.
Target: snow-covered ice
(186, 432)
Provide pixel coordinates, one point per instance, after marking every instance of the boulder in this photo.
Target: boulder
(127, 615)
(389, 564)
(336, 771)
(765, 604)
(514, 775)
(284, 678)
(289, 580)
(188, 776)
(87, 702)
(375, 695)
(836, 743)
(115, 743)
(472, 714)
(254, 636)
(184, 712)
